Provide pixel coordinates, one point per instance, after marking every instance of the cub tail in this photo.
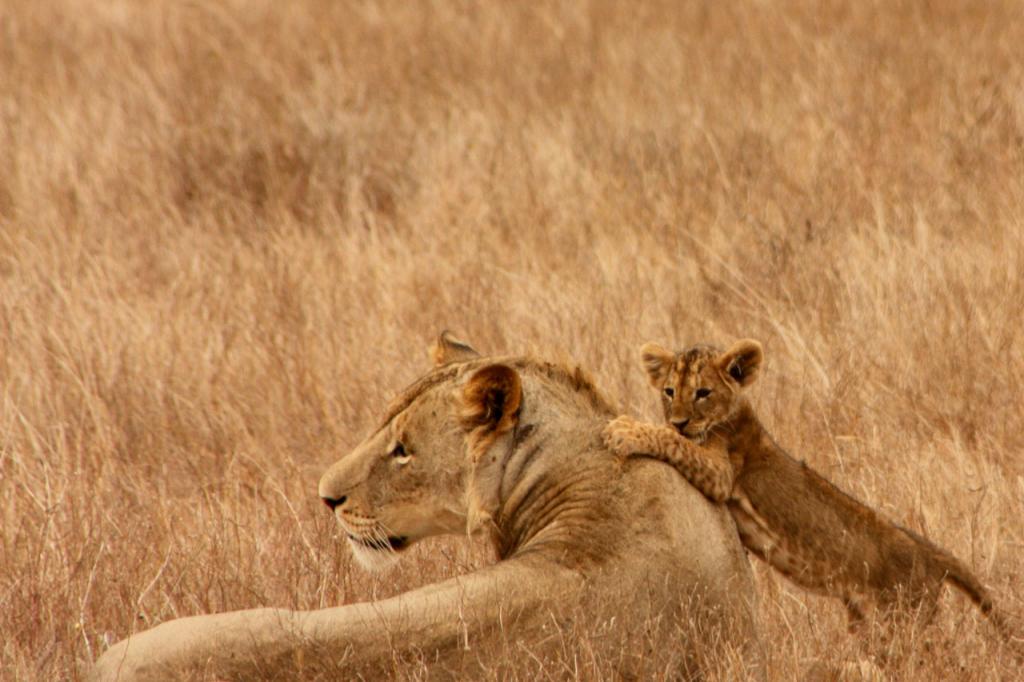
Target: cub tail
(957, 573)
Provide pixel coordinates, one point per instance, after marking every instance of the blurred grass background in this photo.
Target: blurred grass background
(229, 230)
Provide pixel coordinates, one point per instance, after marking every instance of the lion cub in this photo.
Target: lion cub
(786, 514)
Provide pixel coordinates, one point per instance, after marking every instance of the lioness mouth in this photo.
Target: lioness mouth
(380, 543)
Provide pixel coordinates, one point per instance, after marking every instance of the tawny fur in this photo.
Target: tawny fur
(785, 512)
(513, 443)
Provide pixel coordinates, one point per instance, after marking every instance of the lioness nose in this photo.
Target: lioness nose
(680, 425)
(334, 502)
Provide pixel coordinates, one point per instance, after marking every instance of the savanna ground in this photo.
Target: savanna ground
(228, 231)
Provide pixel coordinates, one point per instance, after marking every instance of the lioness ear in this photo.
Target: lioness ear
(446, 348)
(657, 362)
(491, 400)
(742, 362)
(490, 410)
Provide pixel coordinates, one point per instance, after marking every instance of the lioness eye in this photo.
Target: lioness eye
(398, 450)
(703, 393)
(669, 391)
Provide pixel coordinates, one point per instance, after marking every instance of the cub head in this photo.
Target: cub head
(410, 478)
(700, 387)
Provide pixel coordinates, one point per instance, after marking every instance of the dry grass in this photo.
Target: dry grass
(227, 233)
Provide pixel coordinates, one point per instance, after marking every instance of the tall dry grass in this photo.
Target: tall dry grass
(227, 232)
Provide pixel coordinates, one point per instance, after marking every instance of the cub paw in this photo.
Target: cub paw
(619, 436)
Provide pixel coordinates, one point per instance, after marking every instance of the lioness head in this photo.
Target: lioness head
(409, 479)
(700, 386)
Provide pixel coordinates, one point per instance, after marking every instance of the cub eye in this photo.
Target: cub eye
(703, 393)
(669, 391)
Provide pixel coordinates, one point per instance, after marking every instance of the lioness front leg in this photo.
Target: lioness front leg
(706, 469)
(443, 620)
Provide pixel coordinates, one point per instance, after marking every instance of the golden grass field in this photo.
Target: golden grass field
(228, 232)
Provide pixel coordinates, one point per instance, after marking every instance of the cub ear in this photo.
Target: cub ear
(446, 348)
(657, 362)
(742, 362)
(491, 400)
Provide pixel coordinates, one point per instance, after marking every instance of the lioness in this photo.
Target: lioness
(786, 513)
(512, 446)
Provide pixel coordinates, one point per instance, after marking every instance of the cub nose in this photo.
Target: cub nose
(681, 424)
(334, 502)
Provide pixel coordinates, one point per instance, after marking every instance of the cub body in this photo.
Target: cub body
(786, 513)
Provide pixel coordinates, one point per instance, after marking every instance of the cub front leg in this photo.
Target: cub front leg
(706, 469)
